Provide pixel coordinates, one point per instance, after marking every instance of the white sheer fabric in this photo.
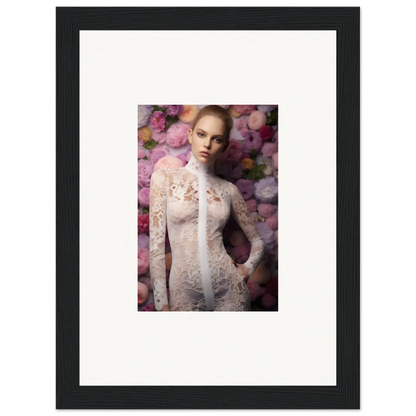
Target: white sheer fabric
(195, 205)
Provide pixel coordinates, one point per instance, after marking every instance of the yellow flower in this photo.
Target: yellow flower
(248, 163)
(145, 134)
(233, 111)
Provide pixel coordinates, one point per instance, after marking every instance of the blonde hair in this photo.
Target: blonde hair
(216, 111)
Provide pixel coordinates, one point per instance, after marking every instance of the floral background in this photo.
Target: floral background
(251, 163)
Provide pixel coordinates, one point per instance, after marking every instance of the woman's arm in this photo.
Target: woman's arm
(157, 235)
(245, 221)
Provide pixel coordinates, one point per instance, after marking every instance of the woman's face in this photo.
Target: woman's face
(208, 139)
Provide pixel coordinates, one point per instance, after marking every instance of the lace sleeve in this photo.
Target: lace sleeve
(245, 221)
(157, 235)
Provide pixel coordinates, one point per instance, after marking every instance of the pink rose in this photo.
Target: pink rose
(266, 210)
(143, 223)
(168, 162)
(254, 290)
(269, 149)
(243, 109)
(251, 205)
(144, 195)
(240, 253)
(144, 172)
(242, 125)
(268, 300)
(141, 153)
(182, 158)
(159, 137)
(157, 153)
(143, 260)
(158, 121)
(256, 120)
(272, 222)
(233, 153)
(177, 135)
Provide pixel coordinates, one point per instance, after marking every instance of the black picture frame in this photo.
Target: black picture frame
(346, 22)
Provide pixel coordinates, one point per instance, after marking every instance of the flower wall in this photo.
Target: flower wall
(250, 162)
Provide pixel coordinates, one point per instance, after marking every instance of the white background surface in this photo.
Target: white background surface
(295, 346)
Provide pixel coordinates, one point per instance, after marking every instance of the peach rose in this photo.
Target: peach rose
(272, 222)
(168, 162)
(256, 120)
(188, 113)
(241, 109)
(233, 112)
(275, 161)
(142, 292)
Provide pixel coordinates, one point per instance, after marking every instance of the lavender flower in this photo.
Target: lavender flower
(268, 235)
(174, 110)
(266, 190)
(246, 187)
(252, 140)
(143, 114)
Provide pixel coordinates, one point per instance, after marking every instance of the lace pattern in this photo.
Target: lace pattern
(195, 205)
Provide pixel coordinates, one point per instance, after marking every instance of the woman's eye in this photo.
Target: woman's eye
(199, 134)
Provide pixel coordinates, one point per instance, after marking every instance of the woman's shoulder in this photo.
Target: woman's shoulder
(168, 173)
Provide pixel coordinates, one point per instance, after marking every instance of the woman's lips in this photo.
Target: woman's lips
(204, 154)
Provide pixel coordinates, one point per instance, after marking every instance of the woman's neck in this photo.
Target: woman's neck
(200, 168)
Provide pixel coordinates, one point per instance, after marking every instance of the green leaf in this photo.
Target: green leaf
(157, 108)
(272, 119)
(151, 144)
(145, 211)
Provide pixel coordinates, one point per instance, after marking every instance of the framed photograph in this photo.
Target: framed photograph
(287, 80)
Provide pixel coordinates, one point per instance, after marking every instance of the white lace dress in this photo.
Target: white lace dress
(195, 205)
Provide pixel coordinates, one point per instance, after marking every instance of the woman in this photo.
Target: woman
(195, 204)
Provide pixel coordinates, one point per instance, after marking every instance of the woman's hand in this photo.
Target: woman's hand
(165, 308)
(243, 270)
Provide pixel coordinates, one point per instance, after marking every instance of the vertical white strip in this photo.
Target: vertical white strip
(203, 246)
